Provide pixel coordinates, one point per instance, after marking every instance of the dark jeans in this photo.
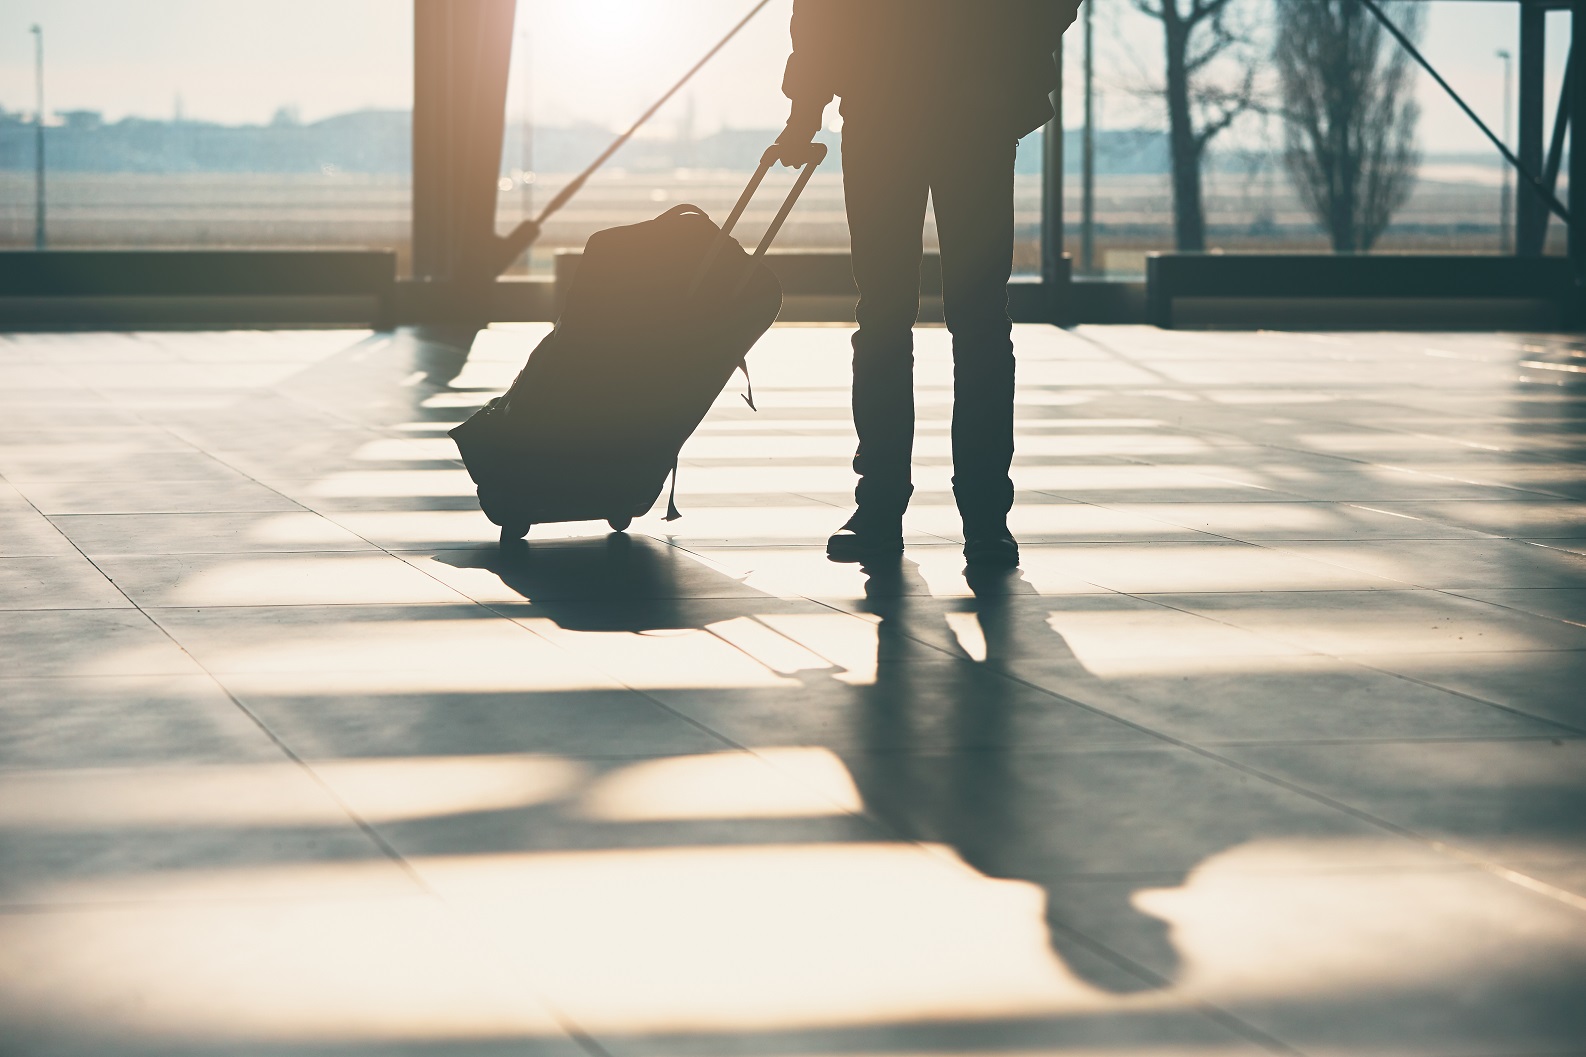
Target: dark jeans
(890, 165)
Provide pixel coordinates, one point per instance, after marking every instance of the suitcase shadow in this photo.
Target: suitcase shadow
(614, 583)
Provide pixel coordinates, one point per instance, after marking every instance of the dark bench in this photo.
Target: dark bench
(1345, 290)
(348, 285)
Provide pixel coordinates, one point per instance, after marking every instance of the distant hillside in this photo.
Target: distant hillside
(367, 141)
(380, 142)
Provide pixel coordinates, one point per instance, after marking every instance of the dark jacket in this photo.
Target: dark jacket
(989, 59)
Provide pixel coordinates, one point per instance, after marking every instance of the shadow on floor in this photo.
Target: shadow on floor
(938, 764)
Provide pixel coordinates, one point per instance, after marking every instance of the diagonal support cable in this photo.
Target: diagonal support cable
(1542, 189)
(1555, 150)
(1561, 123)
(520, 238)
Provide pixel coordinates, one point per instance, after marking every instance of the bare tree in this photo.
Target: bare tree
(1349, 114)
(1200, 105)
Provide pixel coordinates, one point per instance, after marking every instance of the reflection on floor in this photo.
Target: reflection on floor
(1276, 744)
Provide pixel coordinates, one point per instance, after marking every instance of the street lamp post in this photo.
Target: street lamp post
(38, 137)
(526, 133)
(1087, 228)
(1506, 195)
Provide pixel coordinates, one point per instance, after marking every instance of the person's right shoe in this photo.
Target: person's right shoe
(990, 546)
(866, 537)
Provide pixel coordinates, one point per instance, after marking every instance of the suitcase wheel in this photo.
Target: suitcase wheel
(619, 524)
(513, 532)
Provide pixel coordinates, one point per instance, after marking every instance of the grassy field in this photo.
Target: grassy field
(1452, 211)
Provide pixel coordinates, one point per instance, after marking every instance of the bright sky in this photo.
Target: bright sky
(594, 60)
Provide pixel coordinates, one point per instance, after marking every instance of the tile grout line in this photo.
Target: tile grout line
(1358, 661)
(1560, 895)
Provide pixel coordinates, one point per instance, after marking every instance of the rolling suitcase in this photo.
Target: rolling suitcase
(658, 317)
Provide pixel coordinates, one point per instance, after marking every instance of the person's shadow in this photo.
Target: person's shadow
(937, 752)
(946, 759)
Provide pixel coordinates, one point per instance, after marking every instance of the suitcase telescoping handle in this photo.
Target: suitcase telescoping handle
(817, 154)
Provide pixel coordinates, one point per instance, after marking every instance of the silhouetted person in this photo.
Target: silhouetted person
(935, 97)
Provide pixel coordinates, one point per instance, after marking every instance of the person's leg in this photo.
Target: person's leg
(886, 188)
(972, 187)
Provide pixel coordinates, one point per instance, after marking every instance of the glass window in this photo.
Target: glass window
(583, 70)
(210, 124)
(1458, 192)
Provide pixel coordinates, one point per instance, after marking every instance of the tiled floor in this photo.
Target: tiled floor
(1276, 744)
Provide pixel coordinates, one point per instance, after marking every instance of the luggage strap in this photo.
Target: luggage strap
(672, 513)
(748, 398)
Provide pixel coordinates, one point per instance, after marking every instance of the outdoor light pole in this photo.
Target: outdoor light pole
(526, 129)
(38, 137)
(1087, 225)
(1506, 196)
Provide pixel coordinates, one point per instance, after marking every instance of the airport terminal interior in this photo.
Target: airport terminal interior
(1273, 743)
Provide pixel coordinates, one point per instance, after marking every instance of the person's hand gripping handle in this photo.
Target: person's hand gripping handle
(795, 147)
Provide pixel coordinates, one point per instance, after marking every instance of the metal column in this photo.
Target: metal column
(1530, 209)
(1577, 157)
(462, 52)
(1054, 270)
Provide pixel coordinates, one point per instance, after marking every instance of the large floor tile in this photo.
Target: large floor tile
(1453, 564)
(392, 975)
(1350, 961)
(1092, 630)
(87, 642)
(62, 582)
(1212, 700)
(1227, 566)
(496, 805)
(1253, 522)
(120, 462)
(1546, 684)
(1518, 519)
(1560, 603)
(903, 705)
(1364, 623)
(272, 579)
(377, 649)
(124, 721)
(1511, 801)
(849, 947)
(1374, 485)
(205, 533)
(340, 721)
(123, 834)
(26, 533)
(154, 497)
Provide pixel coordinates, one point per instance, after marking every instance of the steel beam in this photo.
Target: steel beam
(1577, 157)
(462, 50)
(1054, 270)
(1530, 208)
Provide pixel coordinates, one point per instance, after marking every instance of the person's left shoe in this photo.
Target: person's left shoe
(867, 537)
(990, 546)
